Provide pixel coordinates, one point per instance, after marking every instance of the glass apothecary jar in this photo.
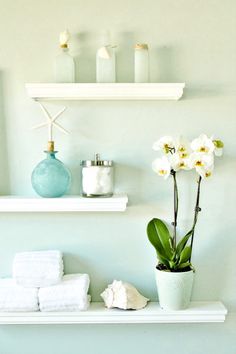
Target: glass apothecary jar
(97, 178)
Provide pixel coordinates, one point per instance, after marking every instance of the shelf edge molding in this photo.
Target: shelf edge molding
(98, 91)
(116, 203)
(198, 312)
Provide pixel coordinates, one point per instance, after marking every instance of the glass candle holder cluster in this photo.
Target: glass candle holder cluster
(64, 66)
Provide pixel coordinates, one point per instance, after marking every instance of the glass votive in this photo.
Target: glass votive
(97, 177)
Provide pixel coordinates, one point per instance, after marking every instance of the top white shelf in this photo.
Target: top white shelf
(117, 91)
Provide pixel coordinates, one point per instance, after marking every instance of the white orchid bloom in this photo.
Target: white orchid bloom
(182, 146)
(162, 167)
(198, 159)
(203, 144)
(205, 172)
(179, 163)
(165, 143)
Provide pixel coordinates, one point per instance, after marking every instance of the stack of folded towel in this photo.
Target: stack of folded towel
(38, 283)
(14, 297)
(38, 269)
(69, 295)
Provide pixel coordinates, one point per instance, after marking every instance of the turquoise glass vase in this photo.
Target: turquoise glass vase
(51, 178)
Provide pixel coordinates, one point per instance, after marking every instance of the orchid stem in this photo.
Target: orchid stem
(176, 205)
(196, 211)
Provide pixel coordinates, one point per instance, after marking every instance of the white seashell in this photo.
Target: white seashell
(124, 296)
(64, 37)
(104, 53)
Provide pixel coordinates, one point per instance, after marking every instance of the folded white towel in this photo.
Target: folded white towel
(17, 298)
(81, 304)
(69, 295)
(38, 269)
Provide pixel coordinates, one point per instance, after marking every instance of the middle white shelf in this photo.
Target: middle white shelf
(116, 203)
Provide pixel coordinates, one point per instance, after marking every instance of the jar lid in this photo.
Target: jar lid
(96, 162)
(141, 46)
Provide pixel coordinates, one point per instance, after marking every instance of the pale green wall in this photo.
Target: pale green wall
(191, 41)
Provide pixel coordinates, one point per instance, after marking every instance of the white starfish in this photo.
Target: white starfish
(51, 121)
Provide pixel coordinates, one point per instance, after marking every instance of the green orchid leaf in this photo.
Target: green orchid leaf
(185, 265)
(182, 243)
(163, 260)
(160, 238)
(185, 255)
(173, 265)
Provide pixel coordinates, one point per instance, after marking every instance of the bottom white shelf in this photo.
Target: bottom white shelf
(98, 314)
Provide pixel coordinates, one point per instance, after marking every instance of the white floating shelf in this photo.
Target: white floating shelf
(97, 314)
(64, 204)
(117, 91)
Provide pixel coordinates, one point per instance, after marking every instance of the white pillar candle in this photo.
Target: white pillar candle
(141, 63)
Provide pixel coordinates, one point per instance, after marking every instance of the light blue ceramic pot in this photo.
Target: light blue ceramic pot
(174, 289)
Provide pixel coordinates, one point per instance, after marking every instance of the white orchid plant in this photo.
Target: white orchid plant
(180, 155)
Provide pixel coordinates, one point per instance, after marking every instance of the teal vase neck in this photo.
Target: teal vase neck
(51, 154)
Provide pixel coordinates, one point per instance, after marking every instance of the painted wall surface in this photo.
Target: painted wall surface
(190, 41)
